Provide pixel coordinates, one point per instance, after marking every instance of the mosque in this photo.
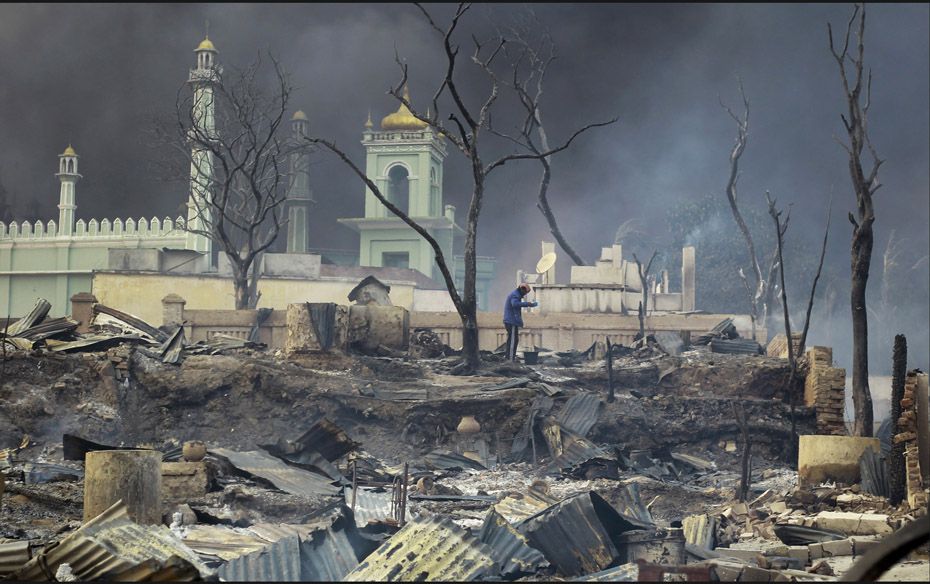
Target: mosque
(132, 263)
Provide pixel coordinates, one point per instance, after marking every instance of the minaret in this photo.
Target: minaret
(68, 175)
(299, 194)
(202, 79)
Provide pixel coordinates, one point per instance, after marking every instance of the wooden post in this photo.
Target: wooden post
(131, 475)
(354, 483)
(403, 495)
(610, 372)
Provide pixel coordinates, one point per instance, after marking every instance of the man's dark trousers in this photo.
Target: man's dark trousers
(513, 337)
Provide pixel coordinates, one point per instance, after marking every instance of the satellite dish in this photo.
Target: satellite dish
(545, 263)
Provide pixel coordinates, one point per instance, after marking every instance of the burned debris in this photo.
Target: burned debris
(330, 463)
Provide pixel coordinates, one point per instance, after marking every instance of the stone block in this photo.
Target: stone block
(753, 574)
(183, 481)
(815, 551)
(835, 458)
(778, 507)
(727, 571)
(841, 547)
(853, 523)
(749, 555)
(799, 552)
(863, 543)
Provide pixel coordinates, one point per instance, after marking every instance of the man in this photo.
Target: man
(513, 320)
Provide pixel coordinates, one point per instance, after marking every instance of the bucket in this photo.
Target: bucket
(530, 357)
(655, 546)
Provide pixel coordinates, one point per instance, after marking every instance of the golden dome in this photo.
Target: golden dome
(402, 119)
(69, 151)
(206, 45)
(299, 115)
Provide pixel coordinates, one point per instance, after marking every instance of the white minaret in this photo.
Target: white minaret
(202, 79)
(299, 195)
(68, 175)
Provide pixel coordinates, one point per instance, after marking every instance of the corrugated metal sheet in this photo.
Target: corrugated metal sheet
(111, 544)
(329, 554)
(513, 383)
(445, 460)
(287, 478)
(629, 504)
(510, 549)
(579, 413)
(12, 556)
(622, 573)
(736, 346)
(278, 562)
(575, 534)
(576, 451)
(430, 550)
(272, 532)
(370, 505)
(699, 530)
(226, 543)
(328, 439)
(32, 318)
(519, 506)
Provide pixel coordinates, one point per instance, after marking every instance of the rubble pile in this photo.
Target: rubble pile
(329, 467)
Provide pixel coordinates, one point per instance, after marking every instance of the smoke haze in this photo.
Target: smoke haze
(93, 74)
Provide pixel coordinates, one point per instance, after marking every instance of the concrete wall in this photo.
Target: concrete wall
(564, 331)
(140, 293)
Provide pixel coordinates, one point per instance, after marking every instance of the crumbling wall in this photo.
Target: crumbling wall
(909, 425)
(825, 389)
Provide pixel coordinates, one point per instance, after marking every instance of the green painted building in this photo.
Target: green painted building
(404, 159)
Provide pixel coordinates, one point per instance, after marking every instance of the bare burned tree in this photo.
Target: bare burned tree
(468, 126)
(240, 166)
(864, 184)
(645, 284)
(531, 51)
(781, 226)
(761, 290)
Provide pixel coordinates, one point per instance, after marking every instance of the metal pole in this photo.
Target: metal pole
(610, 372)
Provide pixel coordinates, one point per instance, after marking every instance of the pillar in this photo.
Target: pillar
(133, 476)
(172, 307)
(82, 310)
(687, 278)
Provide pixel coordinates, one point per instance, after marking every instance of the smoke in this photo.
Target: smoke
(659, 68)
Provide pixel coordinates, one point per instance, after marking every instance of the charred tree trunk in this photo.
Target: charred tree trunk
(896, 469)
(241, 286)
(864, 184)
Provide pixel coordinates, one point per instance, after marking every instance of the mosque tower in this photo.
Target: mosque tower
(68, 175)
(203, 79)
(299, 194)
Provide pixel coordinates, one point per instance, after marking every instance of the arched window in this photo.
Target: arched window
(399, 188)
(70, 165)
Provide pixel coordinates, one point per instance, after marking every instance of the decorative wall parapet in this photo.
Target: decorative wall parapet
(118, 228)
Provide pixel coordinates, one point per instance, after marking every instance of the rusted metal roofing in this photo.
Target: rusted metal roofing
(370, 505)
(112, 544)
(432, 549)
(278, 562)
(272, 532)
(575, 534)
(511, 550)
(287, 478)
(12, 556)
(579, 413)
(518, 506)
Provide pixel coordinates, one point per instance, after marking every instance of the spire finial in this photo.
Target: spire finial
(206, 26)
(368, 123)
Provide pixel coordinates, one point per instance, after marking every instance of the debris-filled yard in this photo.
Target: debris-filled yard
(132, 455)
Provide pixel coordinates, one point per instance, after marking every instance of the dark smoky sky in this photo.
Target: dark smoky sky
(92, 75)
